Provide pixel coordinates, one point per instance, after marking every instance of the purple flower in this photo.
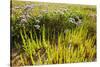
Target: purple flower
(72, 20)
(78, 22)
(28, 7)
(22, 16)
(28, 16)
(37, 21)
(37, 26)
(65, 10)
(24, 20)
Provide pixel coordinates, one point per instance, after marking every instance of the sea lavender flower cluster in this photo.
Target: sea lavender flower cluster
(37, 21)
(76, 20)
(40, 16)
(29, 7)
(23, 18)
(60, 11)
(25, 14)
(72, 20)
(65, 10)
(37, 26)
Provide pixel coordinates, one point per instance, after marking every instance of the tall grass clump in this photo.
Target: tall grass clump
(74, 47)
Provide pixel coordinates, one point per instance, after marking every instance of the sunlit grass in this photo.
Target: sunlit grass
(74, 48)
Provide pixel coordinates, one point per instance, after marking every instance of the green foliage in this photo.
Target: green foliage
(50, 37)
